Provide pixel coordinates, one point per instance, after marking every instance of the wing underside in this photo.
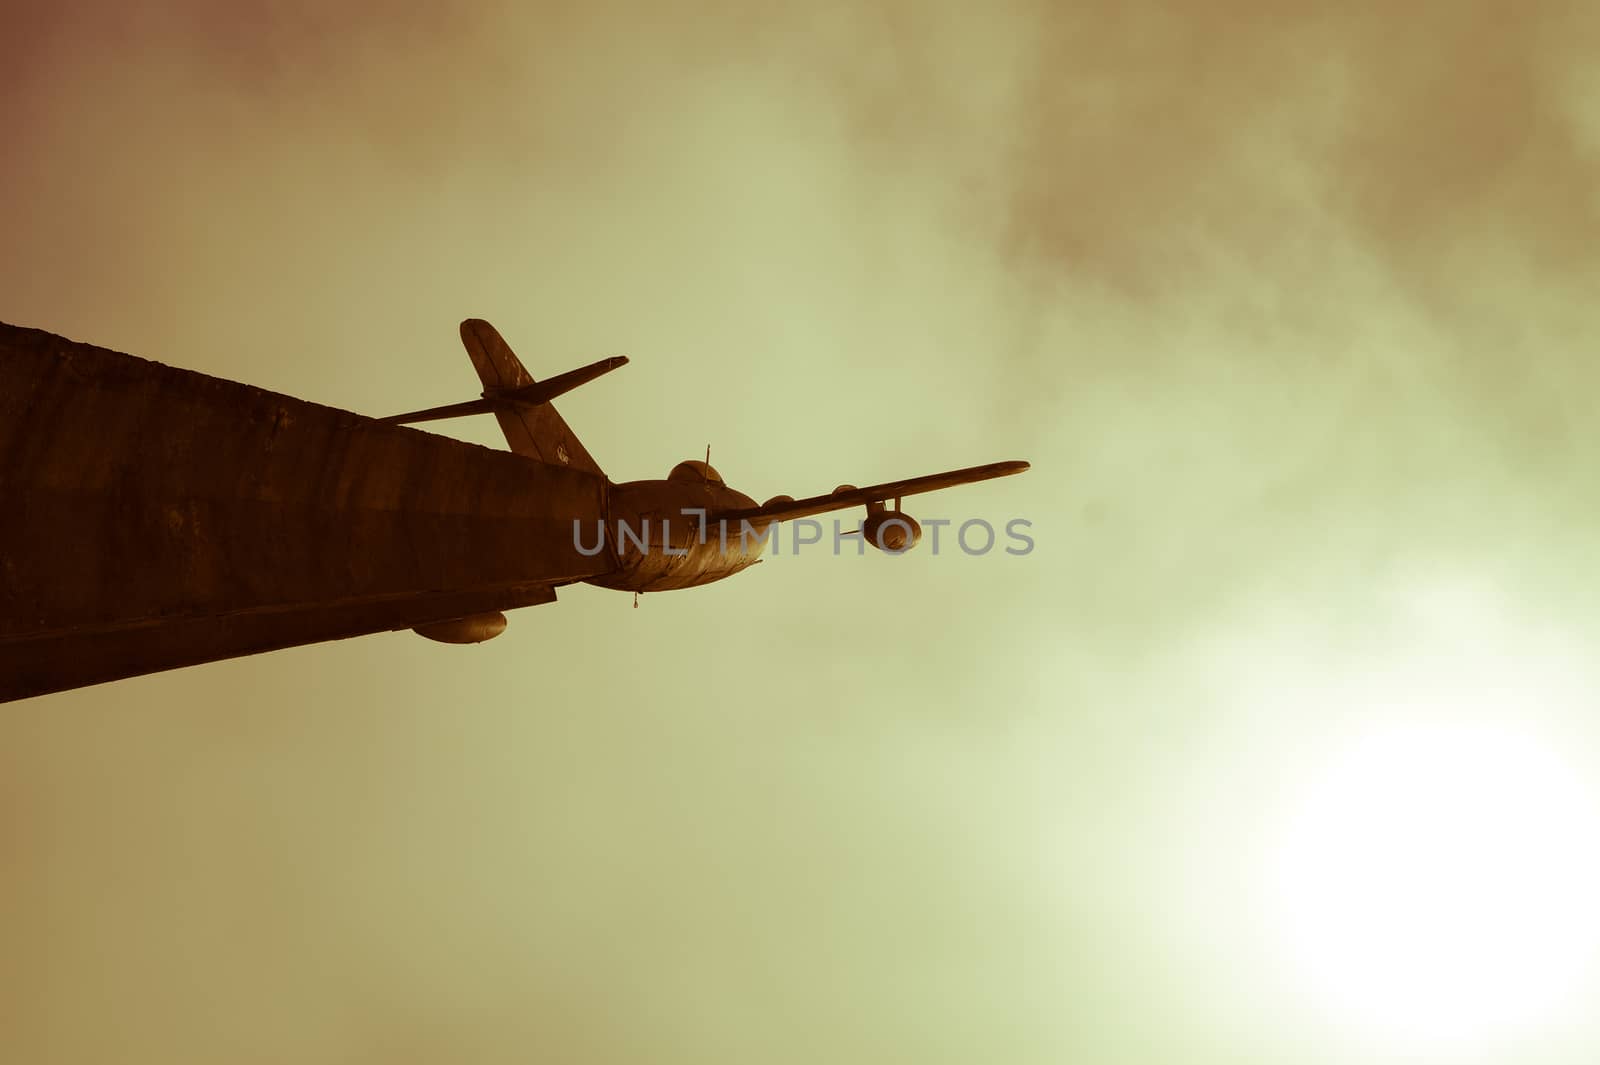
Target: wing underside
(844, 498)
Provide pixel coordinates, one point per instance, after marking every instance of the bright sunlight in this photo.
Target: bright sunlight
(1438, 885)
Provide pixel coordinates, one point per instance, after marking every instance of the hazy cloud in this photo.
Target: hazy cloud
(1293, 312)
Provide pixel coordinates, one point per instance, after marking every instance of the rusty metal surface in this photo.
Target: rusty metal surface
(152, 517)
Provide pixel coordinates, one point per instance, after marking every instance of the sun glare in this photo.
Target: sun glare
(1437, 885)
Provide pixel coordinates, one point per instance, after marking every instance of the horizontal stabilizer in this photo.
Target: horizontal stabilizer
(544, 391)
(433, 414)
(523, 396)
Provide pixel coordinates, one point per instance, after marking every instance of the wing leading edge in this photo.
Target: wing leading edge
(842, 499)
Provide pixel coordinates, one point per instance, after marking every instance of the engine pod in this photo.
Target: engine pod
(474, 628)
(892, 531)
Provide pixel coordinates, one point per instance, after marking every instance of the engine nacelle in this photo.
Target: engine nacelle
(893, 531)
(473, 629)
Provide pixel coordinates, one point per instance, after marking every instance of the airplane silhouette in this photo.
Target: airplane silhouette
(156, 517)
(681, 532)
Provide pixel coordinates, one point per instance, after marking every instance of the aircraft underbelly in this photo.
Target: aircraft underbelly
(652, 534)
(656, 570)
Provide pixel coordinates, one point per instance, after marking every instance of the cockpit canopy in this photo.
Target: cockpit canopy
(694, 472)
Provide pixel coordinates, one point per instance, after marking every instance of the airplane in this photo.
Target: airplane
(158, 518)
(684, 531)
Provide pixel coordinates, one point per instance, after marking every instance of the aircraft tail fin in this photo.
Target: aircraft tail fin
(534, 430)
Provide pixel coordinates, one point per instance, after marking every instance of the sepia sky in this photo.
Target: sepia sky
(1295, 313)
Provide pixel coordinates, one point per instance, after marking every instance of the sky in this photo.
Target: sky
(1293, 310)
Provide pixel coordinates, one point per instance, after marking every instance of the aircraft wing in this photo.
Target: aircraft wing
(785, 509)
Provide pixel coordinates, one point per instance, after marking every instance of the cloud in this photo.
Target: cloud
(1285, 307)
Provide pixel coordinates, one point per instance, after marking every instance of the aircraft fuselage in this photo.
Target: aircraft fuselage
(655, 539)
